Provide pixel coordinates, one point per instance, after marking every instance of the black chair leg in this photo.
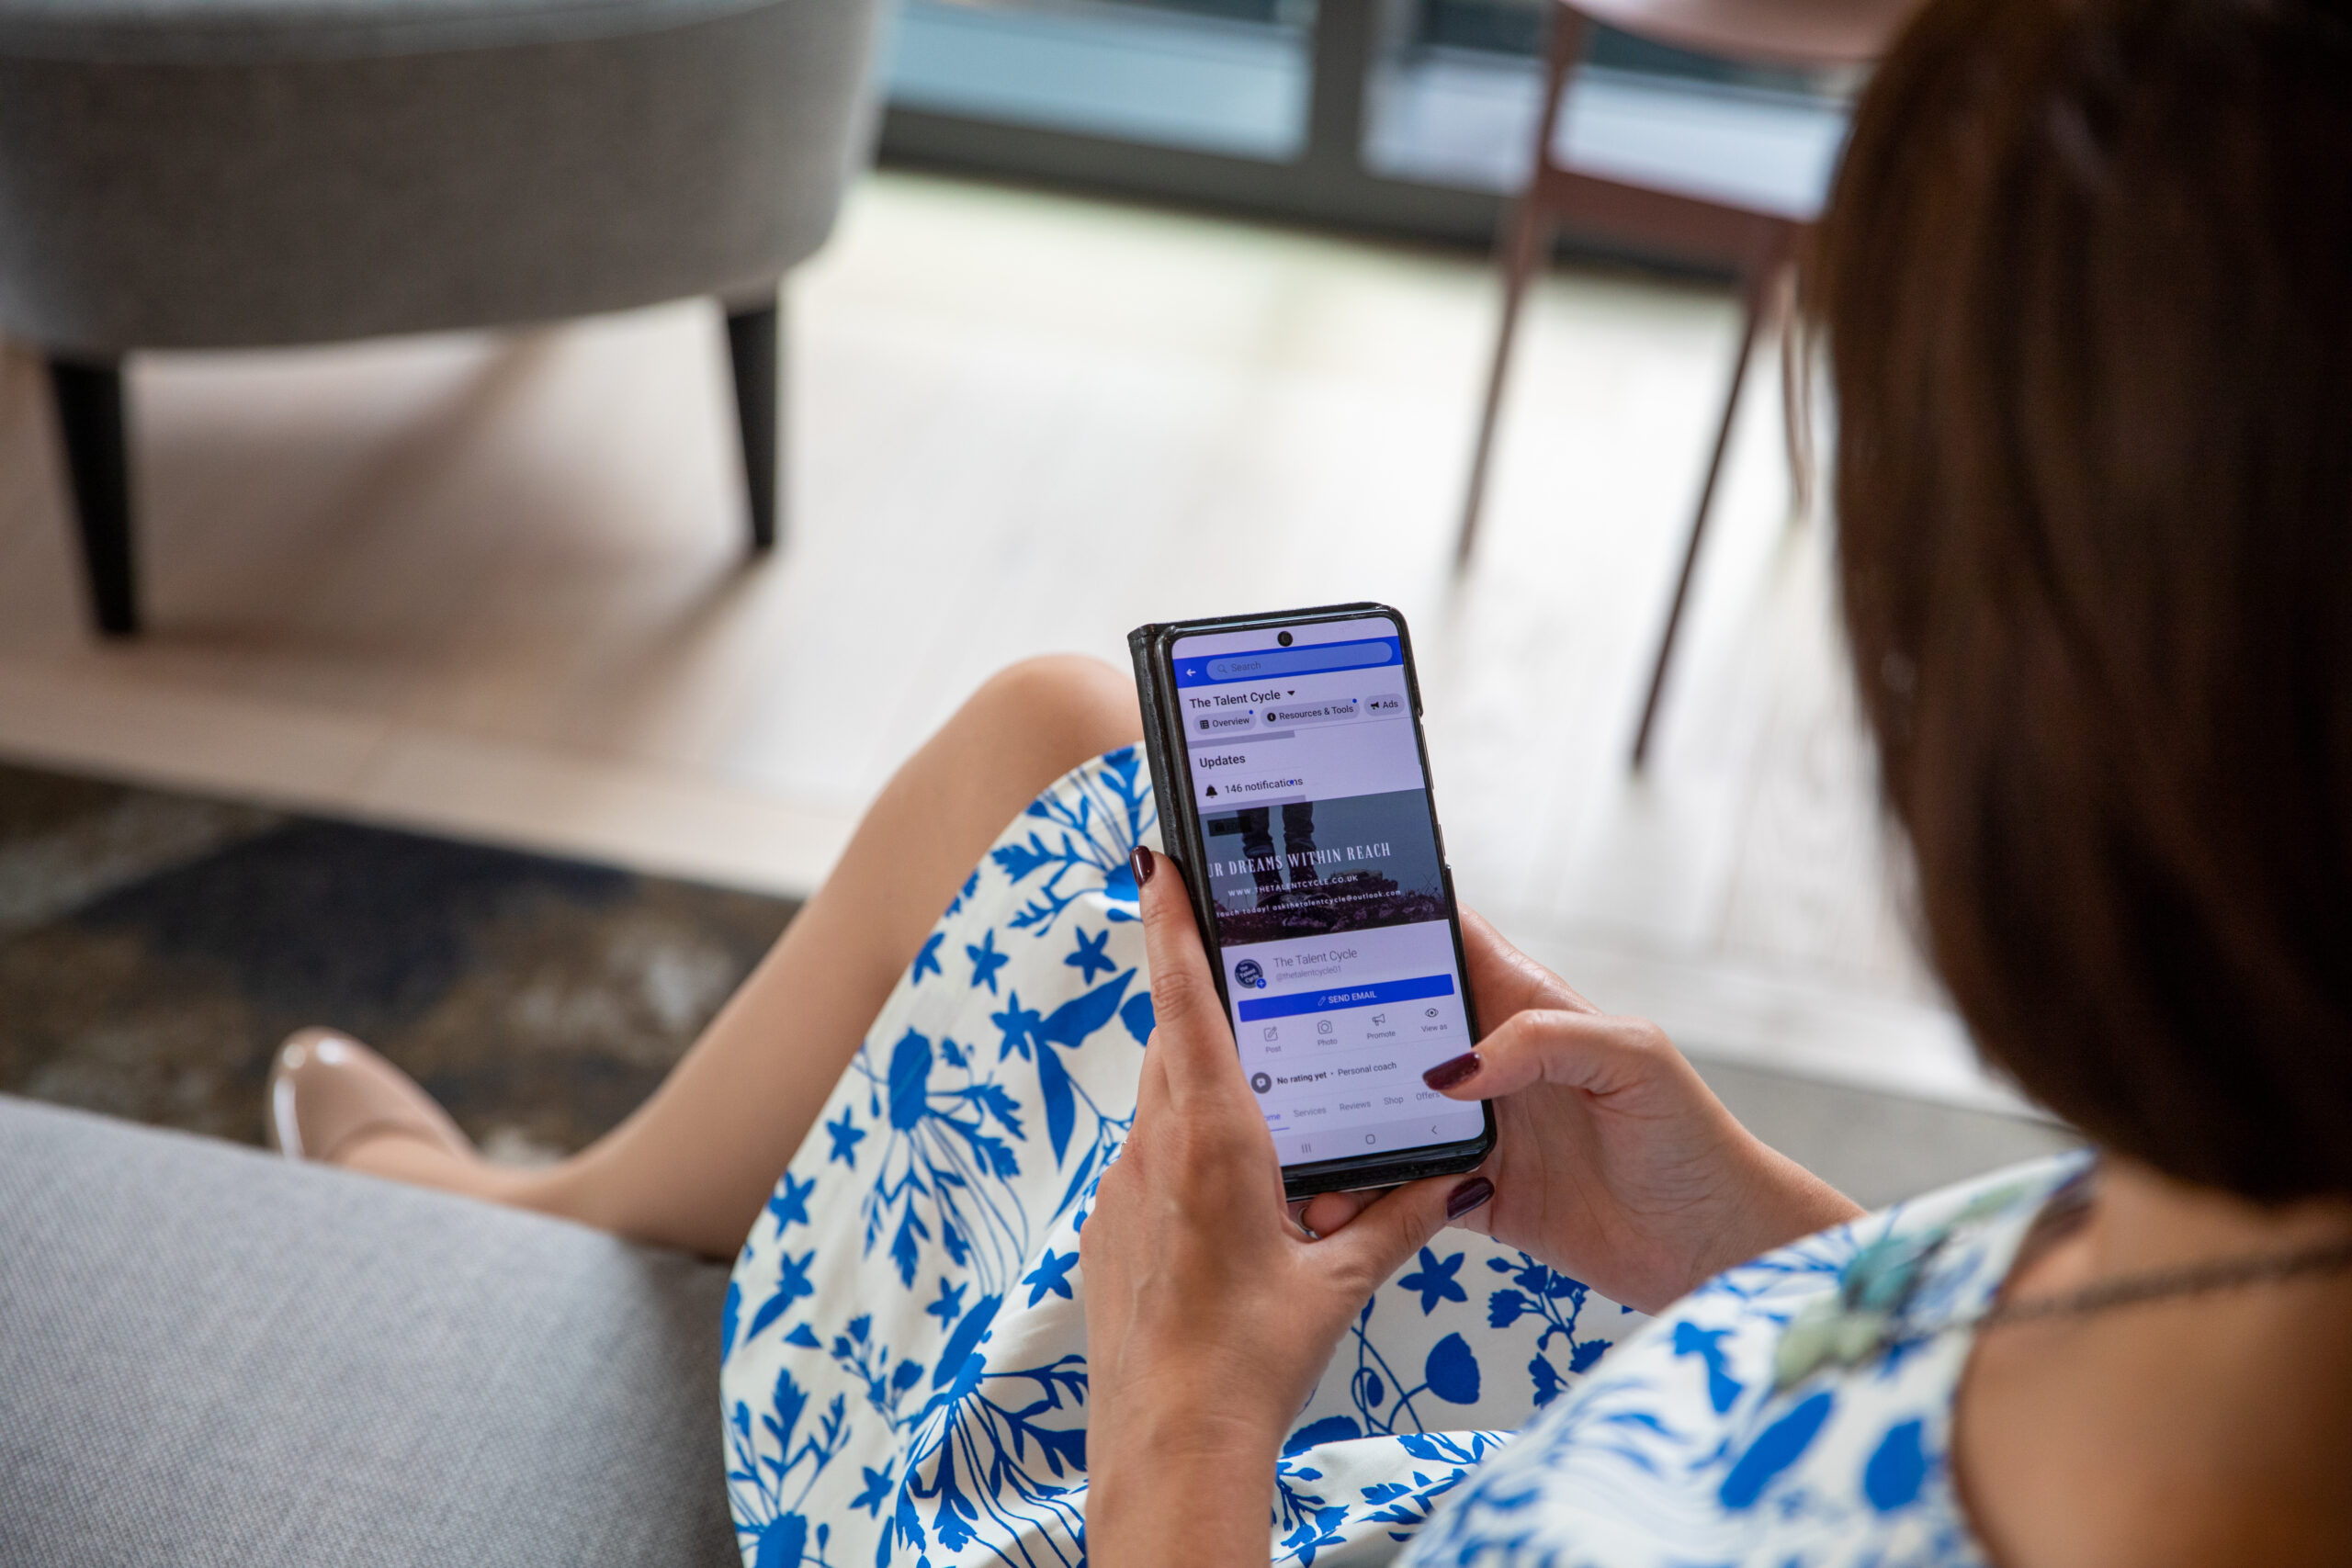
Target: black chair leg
(91, 415)
(752, 344)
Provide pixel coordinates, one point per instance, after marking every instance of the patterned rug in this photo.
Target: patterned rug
(155, 947)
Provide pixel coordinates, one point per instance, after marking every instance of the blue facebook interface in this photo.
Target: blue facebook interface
(1324, 865)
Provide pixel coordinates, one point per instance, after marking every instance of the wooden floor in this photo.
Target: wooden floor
(494, 586)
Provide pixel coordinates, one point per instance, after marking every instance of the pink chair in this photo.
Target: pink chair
(1757, 243)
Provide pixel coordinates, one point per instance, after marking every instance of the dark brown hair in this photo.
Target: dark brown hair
(2085, 287)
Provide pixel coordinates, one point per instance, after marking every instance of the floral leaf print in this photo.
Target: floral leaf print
(906, 1247)
(1774, 1449)
(1052, 894)
(936, 1378)
(1546, 1378)
(1122, 781)
(1558, 1302)
(1897, 1468)
(998, 1102)
(878, 1491)
(789, 1204)
(791, 1285)
(1723, 1389)
(1018, 1024)
(846, 1138)
(1436, 1282)
(1069, 1024)
(910, 1080)
(783, 1544)
(1102, 811)
(985, 961)
(1068, 1027)
(1452, 1370)
(965, 1341)
(1330, 1429)
(1061, 1100)
(942, 1164)
(1316, 1532)
(956, 905)
(1090, 956)
(1051, 1277)
(762, 1464)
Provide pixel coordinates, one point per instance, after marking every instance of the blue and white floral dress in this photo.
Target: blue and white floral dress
(904, 1345)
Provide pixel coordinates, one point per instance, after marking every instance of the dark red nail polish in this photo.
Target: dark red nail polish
(1458, 1069)
(1145, 863)
(1468, 1196)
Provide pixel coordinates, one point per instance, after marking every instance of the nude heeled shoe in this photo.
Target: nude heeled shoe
(327, 1091)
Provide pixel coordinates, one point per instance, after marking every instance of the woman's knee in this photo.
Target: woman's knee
(1055, 711)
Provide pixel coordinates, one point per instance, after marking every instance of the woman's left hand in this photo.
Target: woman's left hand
(1210, 1313)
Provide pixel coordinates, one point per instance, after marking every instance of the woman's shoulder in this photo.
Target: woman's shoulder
(1793, 1410)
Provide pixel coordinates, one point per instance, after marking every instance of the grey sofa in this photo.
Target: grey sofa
(210, 1356)
(222, 174)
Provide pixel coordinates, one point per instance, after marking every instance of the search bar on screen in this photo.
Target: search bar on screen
(1303, 660)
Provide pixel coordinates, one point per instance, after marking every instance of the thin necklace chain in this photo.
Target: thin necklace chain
(2193, 1280)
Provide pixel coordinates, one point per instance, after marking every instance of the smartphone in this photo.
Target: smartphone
(1294, 790)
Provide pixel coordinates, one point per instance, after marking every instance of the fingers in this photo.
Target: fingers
(1597, 1053)
(1504, 980)
(1327, 1213)
(1191, 1035)
(1399, 1223)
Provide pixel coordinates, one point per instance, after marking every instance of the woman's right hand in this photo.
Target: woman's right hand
(1613, 1162)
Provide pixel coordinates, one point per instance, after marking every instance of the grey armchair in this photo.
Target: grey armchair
(219, 174)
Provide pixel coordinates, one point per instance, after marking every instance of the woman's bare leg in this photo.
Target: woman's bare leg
(692, 1166)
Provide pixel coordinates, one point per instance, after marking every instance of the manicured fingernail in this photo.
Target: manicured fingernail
(1458, 1069)
(1468, 1196)
(1145, 863)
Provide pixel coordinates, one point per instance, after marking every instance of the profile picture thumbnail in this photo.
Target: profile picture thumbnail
(1248, 973)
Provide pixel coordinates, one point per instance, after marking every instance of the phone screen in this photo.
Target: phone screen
(1328, 881)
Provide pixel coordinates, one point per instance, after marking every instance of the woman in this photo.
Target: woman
(2082, 291)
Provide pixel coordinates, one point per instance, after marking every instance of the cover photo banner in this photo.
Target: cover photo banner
(1320, 867)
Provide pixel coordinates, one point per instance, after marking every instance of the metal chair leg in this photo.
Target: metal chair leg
(1530, 238)
(1529, 235)
(1755, 293)
(752, 350)
(94, 421)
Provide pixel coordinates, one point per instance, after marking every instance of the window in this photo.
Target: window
(1412, 116)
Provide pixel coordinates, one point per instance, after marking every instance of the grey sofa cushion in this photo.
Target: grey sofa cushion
(280, 191)
(210, 1355)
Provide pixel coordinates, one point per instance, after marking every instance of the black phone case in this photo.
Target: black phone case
(1180, 830)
